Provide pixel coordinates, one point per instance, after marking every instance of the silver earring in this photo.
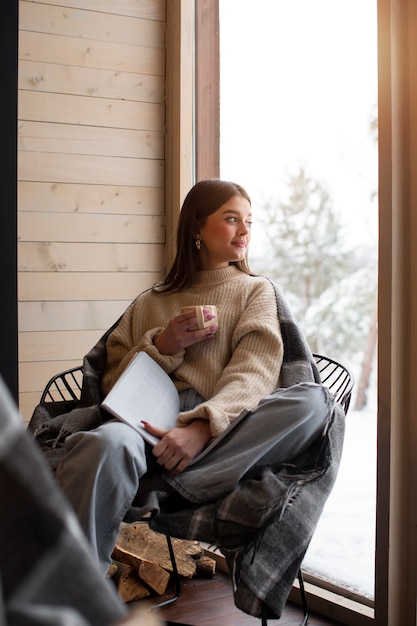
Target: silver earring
(198, 244)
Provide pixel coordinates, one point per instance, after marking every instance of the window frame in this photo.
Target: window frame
(192, 104)
(187, 159)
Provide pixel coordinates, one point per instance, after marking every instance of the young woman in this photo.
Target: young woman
(219, 372)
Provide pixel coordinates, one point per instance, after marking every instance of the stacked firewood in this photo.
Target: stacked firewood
(142, 566)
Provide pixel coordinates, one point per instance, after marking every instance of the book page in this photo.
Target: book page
(144, 392)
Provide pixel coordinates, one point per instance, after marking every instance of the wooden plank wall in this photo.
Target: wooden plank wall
(91, 226)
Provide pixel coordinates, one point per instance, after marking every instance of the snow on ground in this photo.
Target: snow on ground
(343, 546)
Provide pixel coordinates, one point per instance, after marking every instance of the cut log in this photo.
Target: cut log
(138, 539)
(214, 553)
(194, 549)
(206, 567)
(149, 572)
(129, 586)
(113, 570)
(154, 576)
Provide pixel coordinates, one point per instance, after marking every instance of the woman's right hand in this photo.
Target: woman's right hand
(178, 446)
(181, 332)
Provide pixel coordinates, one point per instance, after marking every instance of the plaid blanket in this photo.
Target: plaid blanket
(265, 526)
(47, 574)
(279, 512)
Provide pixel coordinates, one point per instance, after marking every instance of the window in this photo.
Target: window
(396, 569)
(298, 98)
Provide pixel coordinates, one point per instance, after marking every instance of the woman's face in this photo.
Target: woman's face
(225, 235)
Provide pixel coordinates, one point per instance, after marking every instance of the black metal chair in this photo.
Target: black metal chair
(66, 387)
(338, 378)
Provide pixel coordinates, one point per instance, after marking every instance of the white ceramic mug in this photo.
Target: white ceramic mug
(199, 311)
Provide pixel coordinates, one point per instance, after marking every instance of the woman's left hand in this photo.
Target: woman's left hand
(178, 446)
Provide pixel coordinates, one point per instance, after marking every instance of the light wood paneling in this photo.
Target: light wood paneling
(90, 53)
(51, 345)
(87, 286)
(38, 196)
(90, 140)
(147, 9)
(69, 314)
(67, 109)
(63, 168)
(83, 23)
(92, 257)
(89, 227)
(91, 170)
(91, 82)
(37, 375)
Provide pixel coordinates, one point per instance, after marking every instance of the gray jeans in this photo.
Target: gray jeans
(101, 471)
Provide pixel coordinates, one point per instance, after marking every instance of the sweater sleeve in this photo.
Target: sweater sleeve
(254, 368)
(129, 337)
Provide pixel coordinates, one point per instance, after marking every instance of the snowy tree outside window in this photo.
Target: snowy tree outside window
(298, 115)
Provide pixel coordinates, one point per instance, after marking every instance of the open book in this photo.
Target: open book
(144, 391)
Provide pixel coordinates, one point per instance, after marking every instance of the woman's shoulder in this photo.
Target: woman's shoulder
(256, 288)
(262, 283)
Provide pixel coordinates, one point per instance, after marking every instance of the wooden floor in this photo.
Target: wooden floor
(209, 602)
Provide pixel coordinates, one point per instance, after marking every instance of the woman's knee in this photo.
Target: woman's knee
(111, 439)
(314, 411)
(320, 400)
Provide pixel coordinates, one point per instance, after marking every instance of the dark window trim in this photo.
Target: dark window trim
(8, 223)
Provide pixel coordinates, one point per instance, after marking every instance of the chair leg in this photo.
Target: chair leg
(304, 604)
(303, 598)
(176, 576)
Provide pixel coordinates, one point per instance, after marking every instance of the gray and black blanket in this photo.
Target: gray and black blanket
(47, 572)
(264, 527)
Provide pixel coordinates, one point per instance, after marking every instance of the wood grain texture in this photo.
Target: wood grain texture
(93, 82)
(90, 140)
(44, 316)
(89, 111)
(148, 9)
(86, 227)
(91, 53)
(39, 196)
(209, 602)
(91, 174)
(63, 168)
(90, 24)
(88, 257)
(138, 542)
(52, 286)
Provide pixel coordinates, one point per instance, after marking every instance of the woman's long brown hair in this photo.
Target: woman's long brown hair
(206, 197)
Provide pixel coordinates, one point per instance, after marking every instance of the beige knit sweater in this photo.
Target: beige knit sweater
(234, 369)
